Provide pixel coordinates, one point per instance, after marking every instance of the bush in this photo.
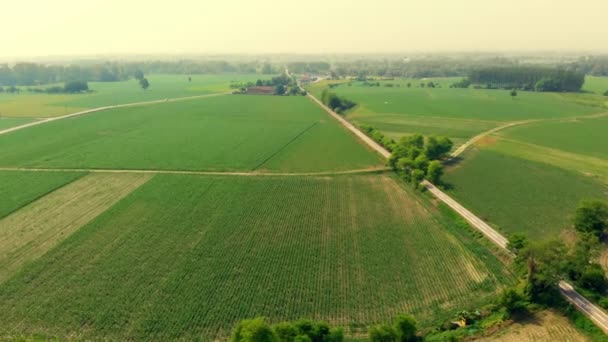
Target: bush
(254, 330)
(75, 86)
(591, 216)
(405, 327)
(593, 278)
(606, 93)
(382, 333)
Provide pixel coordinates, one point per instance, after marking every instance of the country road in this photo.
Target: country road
(597, 315)
(99, 109)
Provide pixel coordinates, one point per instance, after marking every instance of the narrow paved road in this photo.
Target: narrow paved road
(597, 315)
(99, 109)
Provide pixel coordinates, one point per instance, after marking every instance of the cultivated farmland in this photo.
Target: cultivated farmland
(457, 113)
(187, 256)
(244, 133)
(18, 189)
(12, 122)
(113, 93)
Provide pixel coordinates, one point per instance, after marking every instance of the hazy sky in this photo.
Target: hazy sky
(64, 27)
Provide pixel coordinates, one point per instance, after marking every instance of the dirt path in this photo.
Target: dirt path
(204, 173)
(99, 109)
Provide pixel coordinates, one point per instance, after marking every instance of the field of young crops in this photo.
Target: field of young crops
(112, 93)
(587, 137)
(20, 188)
(457, 113)
(597, 85)
(187, 256)
(518, 195)
(12, 122)
(230, 132)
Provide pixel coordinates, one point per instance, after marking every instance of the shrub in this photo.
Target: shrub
(382, 333)
(254, 330)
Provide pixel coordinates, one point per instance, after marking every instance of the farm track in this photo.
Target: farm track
(597, 315)
(206, 173)
(36, 228)
(99, 109)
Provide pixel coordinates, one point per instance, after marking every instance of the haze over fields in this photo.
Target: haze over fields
(68, 27)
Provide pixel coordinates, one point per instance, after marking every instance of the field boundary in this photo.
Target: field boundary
(207, 173)
(285, 145)
(99, 109)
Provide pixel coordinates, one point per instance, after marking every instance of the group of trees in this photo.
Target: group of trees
(403, 329)
(282, 84)
(309, 67)
(543, 264)
(538, 78)
(258, 330)
(337, 103)
(143, 81)
(416, 157)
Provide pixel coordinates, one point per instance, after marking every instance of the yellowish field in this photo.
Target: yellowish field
(546, 326)
(33, 230)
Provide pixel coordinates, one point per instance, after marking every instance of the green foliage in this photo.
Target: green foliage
(416, 158)
(285, 331)
(335, 102)
(75, 86)
(606, 93)
(593, 278)
(517, 242)
(544, 265)
(464, 83)
(513, 301)
(254, 330)
(529, 78)
(405, 327)
(513, 92)
(144, 83)
(591, 217)
(382, 333)
(434, 172)
(279, 89)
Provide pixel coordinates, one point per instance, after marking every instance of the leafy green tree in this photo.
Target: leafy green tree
(544, 265)
(434, 172)
(279, 89)
(405, 327)
(417, 176)
(302, 338)
(606, 93)
(513, 93)
(438, 147)
(517, 242)
(593, 278)
(513, 301)
(254, 330)
(586, 249)
(382, 333)
(591, 216)
(286, 331)
(75, 86)
(144, 84)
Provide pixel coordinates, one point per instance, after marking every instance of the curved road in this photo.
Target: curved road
(597, 315)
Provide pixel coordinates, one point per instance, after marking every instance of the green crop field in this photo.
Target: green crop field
(519, 195)
(595, 84)
(582, 136)
(232, 132)
(185, 257)
(457, 113)
(12, 122)
(113, 93)
(20, 188)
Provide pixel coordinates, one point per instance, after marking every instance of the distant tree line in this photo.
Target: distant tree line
(591, 65)
(309, 67)
(31, 74)
(539, 78)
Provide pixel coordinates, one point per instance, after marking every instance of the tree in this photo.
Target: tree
(593, 278)
(513, 93)
(189, 78)
(405, 327)
(591, 216)
(382, 333)
(279, 90)
(409, 84)
(434, 172)
(417, 176)
(75, 86)
(286, 332)
(516, 243)
(254, 330)
(606, 93)
(512, 301)
(544, 265)
(438, 147)
(144, 84)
